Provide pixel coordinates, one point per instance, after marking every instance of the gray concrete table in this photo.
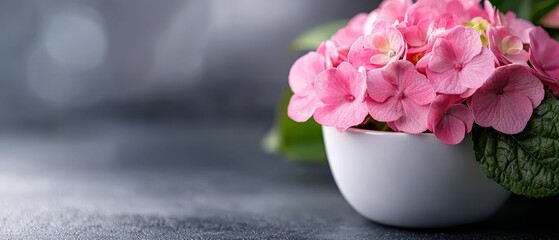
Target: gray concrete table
(117, 179)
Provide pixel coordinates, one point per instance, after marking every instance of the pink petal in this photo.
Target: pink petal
(509, 115)
(341, 116)
(468, 93)
(347, 35)
(449, 119)
(393, 84)
(334, 86)
(523, 82)
(389, 110)
(454, 68)
(502, 37)
(423, 62)
(378, 88)
(417, 86)
(368, 50)
(304, 71)
(485, 108)
(507, 99)
(331, 88)
(379, 59)
(518, 26)
(356, 79)
(414, 37)
(544, 52)
(342, 92)
(443, 58)
(381, 25)
(301, 108)
(331, 55)
(492, 13)
(476, 72)
(450, 130)
(414, 119)
(519, 58)
(391, 125)
(361, 52)
(467, 43)
(445, 82)
(464, 114)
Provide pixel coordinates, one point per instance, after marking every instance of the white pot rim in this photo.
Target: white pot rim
(377, 132)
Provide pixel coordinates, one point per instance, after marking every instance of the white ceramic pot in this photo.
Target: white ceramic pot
(413, 181)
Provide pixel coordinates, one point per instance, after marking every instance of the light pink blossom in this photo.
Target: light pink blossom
(506, 47)
(331, 55)
(506, 101)
(400, 96)
(518, 26)
(301, 81)
(346, 36)
(461, 9)
(391, 11)
(417, 35)
(491, 13)
(342, 93)
(375, 50)
(544, 55)
(459, 62)
(419, 12)
(449, 119)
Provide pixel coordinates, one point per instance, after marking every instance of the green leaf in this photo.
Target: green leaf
(522, 8)
(542, 8)
(312, 39)
(301, 142)
(526, 163)
(533, 10)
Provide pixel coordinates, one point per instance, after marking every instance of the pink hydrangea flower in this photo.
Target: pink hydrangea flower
(544, 52)
(506, 47)
(391, 11)
(342, 93)
(506, 101)
(491, 13)
(375, 50)
(417, 35)
(462, 9)
(331, 55)
(301, 81)
(449, 119)
(518, 26)
(458, 62)
(346, 36)
(400, 96)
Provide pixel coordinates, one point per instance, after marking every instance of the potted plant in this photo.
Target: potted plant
(433, 111)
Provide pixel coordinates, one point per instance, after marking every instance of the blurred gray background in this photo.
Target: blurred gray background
(142, 119)
(215, 60)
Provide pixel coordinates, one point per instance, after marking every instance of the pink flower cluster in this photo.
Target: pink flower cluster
(436, 65)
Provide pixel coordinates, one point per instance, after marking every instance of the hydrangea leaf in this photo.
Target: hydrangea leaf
(526, 163)
(533, 10)
(311, 39)
(541, 8)
(300, 142)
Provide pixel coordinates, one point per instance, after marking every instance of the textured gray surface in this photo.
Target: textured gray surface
(181, 180)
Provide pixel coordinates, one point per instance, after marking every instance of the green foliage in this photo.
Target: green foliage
(533, 10)
(297, 141)
(526, 163)
(311, 39)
